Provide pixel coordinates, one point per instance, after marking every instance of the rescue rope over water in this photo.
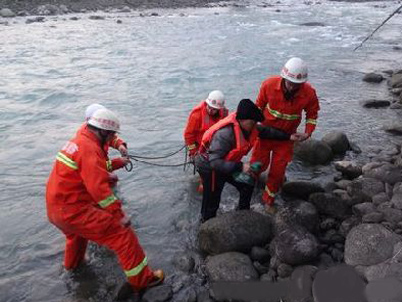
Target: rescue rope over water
(378, 27)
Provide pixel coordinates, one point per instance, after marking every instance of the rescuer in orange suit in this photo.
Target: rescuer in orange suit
(202, 117)
(116, 143)
(81, 203)
(222, 148)
(283, 99)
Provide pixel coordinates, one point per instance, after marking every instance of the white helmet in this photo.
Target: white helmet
(105, 119)
(295, 70)
(91, 110)
(216, 99)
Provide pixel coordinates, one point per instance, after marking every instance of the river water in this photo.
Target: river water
(152, 71)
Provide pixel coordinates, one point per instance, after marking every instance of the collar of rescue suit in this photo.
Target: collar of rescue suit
(299, 92)
(92, 136)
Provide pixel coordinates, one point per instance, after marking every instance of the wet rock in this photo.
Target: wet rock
(373, 103)
(327, 224)
(338, 141)
(7, 13)
(349, 169)
(231, 266)
(235, 231)
(154, 14)
(158, 294)
(332, 236)
(325, 261)
(329, 204)
(74, 18)
(337, 255)
(396, 106)
(179, 281)
(384, 290)
(274, 262)
(396, 200)
(396, 91)
(392, 215)
(297, 212)
(373, 78)
(125, 9)
(296, 246)
(184, 262)
(396, 80)
(312, 24)
(339, 283)
(375, 217)
(270, 276)
(187, 295)
(393, 128)
(300, 189)
(284, 270)
(261, 269)
(313, 152)
(383, 206)
(33, 20)
(380, 198)
(355, 148)
(95, 17)
(364, 208)
(203, 296)
(382, 171)
(259, 254)
(369, 244)
(343, 184)
(344, 196)
(383, 270)
(303, 277)
(363, 189)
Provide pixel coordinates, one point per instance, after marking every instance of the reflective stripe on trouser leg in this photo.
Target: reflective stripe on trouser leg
(75, 251)
(268, 196)
(132, 258)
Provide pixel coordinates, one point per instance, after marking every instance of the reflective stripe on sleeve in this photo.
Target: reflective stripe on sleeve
(311, 121)
(284, 116)
(191, 147)
(138, 269)
(67, 161)
(109, 165)
(269, 192)
(107, 201)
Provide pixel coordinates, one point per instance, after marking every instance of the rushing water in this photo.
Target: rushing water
(152, 71)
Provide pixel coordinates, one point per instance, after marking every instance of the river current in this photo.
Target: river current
(152, 71)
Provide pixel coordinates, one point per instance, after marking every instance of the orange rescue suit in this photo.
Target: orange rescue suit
(81, 203)
(283, 114)
(198, 122)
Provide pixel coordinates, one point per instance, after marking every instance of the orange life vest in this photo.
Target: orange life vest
(243, 145)
(200, 121)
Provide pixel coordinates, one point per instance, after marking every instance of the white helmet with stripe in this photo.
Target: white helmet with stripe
(216, 99)
(105, 119)
(295, 71)
(91, 110)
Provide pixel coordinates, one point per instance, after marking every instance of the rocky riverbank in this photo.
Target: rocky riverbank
(337, 242)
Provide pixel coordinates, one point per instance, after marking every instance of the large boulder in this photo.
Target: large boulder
(396, 199)
(349, 169)
(296, 246)
(302, 280)
(363, 189)
(385, 172)
(230, 266)
(313, 152)
(329, 204)
(338, 141)
(300, 189)
(6, 13)
(373, 77)
(297, 212)
(368, 244)
(235, 231)
(384, 290)
(384, 269)
(338, 283)
(396, 80)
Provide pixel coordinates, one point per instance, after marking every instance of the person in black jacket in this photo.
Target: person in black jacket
(221, 151)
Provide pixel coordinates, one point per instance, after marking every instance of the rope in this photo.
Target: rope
(133, 156)
(155, 164)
